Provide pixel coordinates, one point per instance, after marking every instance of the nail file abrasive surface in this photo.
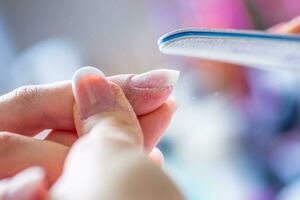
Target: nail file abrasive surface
(256, 49)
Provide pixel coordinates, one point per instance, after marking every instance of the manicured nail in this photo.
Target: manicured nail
(156, 79)
(27, 185)
(92, 91)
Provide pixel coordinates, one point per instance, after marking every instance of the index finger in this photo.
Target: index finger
(30, 109)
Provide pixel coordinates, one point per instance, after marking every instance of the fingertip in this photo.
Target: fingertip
(82, 72)
(155, 123)
(172, 105)
(100, 105)
(92, 91)
(290, 27)
(145, 101)
(148, 91)
(157, 157)
(154, 88)
(155, 79)
(29, 184)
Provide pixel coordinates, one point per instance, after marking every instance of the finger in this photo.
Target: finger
(276, 27)
(98, 101)
(30, 109)
(110, 150)
(147, 91)
(291, 27)
(33, 108)
(157, 157)
(154, 124)
(29, 184)
(19, 152)
(66, 138)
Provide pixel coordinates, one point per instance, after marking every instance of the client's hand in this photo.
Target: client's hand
(108, 161)
(28, 110)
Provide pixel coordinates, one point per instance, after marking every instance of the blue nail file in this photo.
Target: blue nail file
(250, 48)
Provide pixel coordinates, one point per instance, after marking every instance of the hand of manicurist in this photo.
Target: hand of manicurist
(129, 113)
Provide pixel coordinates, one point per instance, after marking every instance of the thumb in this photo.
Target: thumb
(107, 162)
(102, 107)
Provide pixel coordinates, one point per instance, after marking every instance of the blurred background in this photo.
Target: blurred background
(236, 133)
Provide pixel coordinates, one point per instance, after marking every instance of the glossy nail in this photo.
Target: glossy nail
(156, 79)
(92, 91)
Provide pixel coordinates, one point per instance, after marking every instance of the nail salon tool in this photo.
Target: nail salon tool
(250, 48)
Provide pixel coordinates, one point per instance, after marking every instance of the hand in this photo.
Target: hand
(28, 110)
(30, 184)
(291, 27)
(108, 160)
(231, 78)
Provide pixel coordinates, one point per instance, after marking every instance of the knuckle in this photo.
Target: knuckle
(26, 94)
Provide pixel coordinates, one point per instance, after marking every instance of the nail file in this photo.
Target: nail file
(250, 48)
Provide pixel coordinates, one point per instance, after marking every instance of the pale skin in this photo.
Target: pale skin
(111, 143)
(51, 106)
(108, 161)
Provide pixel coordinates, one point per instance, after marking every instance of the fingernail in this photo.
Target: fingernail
(92, 91)
(156, 79)
(27, 185)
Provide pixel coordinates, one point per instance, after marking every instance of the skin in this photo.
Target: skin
(28, 110)
(111, 142)
(44, 109)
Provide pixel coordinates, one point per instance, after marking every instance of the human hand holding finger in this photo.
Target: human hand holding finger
(48, 106)
(108, 161)
(30, 109)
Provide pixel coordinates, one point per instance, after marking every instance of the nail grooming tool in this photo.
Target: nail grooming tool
(249, 48)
